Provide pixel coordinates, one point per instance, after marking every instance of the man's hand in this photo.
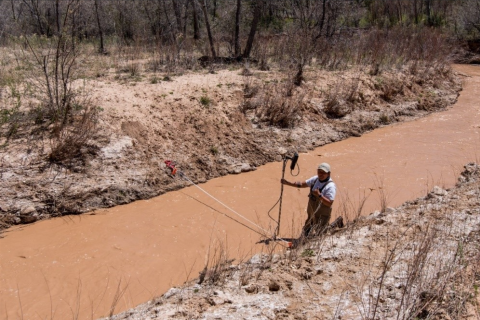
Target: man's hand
(316, 192)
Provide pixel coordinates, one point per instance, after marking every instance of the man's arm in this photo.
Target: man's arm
(298, 184)
(326, 201)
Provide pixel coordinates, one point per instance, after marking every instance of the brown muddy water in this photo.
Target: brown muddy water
(84, 267)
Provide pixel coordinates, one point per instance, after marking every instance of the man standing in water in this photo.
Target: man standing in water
(321, 196)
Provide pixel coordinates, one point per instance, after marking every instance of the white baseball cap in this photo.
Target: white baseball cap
(324, 167)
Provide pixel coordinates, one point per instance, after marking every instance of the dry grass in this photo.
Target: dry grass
(342, 97)
(275, 104)
(72, 143)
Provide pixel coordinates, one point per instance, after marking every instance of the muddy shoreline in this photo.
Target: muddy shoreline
(140, 127)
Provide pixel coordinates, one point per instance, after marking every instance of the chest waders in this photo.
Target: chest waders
(318, 214)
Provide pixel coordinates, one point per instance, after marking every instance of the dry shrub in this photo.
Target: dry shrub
(251, 98)
(382, 49)
(250, 88)
(384, 118)
(133, 69)
(334, 106)
(425, 272)
(280, 106)
(298, 79)
(351, 208)
(172, 59)
(72, 141)
(389, 88)
(245, 275)
(217, 264)
(426, 104)
(154, 65)
(246, 72)
(335, 55)
(368, 124)
(341, 98)
(434, 284)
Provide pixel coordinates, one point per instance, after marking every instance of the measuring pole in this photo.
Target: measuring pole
(281, 197)
(292, 166)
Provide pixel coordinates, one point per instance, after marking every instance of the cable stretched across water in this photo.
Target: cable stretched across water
(238, 214)
(170, 164)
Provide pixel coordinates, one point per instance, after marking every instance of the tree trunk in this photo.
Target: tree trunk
(196, 27)
(428, 12)
(178, 15)
(32, 6)
(415, 11)
(13, 10)
(253, 28)
(57, 16)
(214, 14)
(207, 25)
(237, 29)
(322, 19)
(172, 33)
(101, 49)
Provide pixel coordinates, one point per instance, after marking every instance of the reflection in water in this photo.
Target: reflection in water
(129, 254)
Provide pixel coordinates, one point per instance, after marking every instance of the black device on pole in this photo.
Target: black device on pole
(294, 160)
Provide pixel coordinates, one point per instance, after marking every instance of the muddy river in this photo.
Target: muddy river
(85, 267)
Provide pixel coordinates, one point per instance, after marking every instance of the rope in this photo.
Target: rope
(172, 167)
(208, 194)
(277, 230)
(226, 215)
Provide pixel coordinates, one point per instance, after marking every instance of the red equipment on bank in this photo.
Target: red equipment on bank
(171, 165)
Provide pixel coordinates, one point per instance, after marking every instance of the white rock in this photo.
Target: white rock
(439, 191)
(3, 207)
(258, 258)
(282, 151)
(27, 210)
(171, 293)
(115, 147)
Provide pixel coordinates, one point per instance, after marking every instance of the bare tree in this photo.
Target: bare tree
(209, 31)
(237, 29)
(101, 48)
(33, 7)
(471, 16)
(253, 28)
(57, 63)
(196, 24)
(428, 12)
(178, 15)
(12, 6)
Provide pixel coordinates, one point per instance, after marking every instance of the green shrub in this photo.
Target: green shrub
(205, 101)
(214, 150)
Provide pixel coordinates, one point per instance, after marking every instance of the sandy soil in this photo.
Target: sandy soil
(210, 124)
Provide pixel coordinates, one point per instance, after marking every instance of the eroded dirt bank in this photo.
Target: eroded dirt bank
(211, 125)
